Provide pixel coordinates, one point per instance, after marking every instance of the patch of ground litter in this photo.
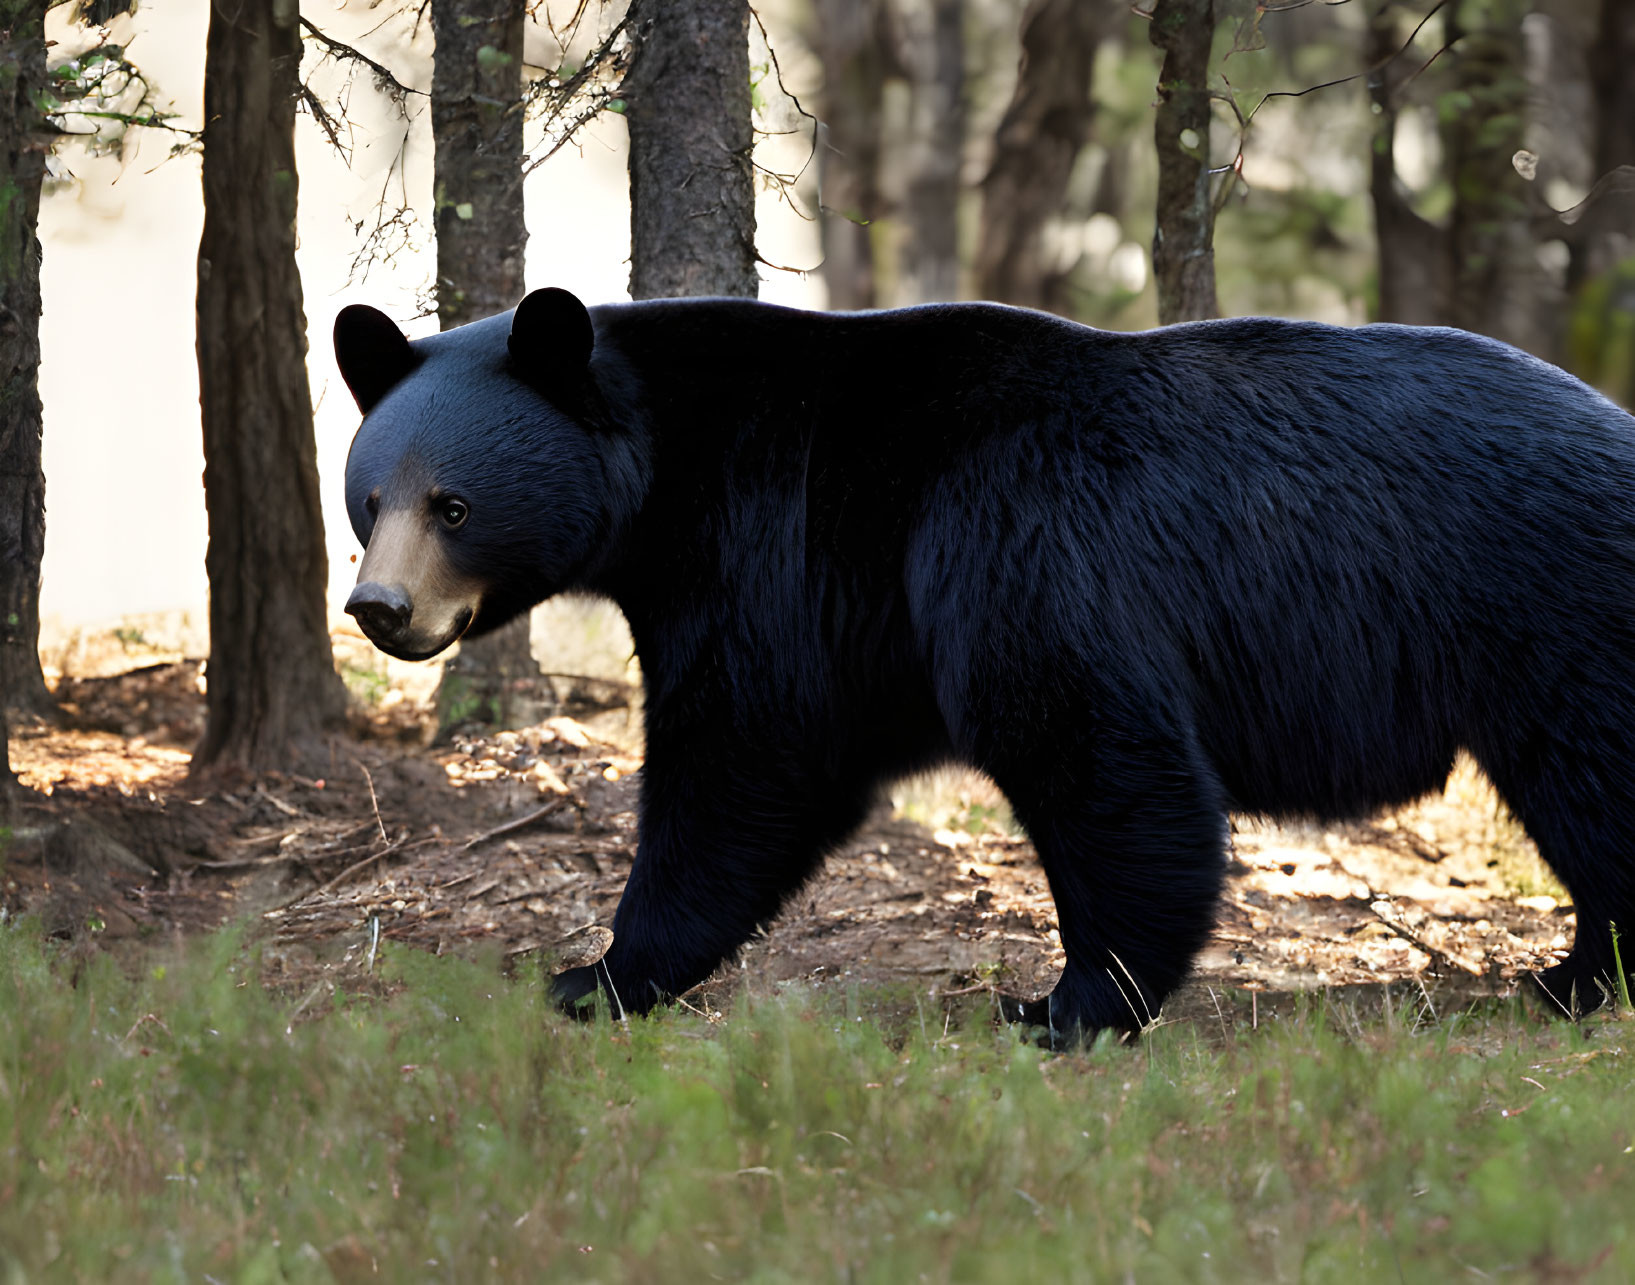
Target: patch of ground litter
(508, 844)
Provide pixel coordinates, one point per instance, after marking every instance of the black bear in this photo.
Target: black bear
(1141, 580)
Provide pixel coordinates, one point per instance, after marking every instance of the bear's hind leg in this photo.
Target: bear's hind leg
(1132, 840)
(1578, 806)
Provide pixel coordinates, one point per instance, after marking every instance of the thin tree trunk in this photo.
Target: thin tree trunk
(272, 688)
(22, 481)
(1599, 344)
(692, 199)
(1611, 62)
(1498, 286)
(1612, 85)
(852, 42)
(928, 270)
(1113, 185)
(1038, 141)
(476, 125)
(1413, 252)
(1183, 250)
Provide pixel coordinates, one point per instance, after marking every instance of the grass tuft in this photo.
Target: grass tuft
(1618, 970)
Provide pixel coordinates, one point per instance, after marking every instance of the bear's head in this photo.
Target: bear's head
(483, 478)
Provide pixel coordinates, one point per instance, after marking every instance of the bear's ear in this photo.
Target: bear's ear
(551, 339)
(371, 352)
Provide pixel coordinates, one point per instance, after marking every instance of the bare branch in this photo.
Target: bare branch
(396, 228)
(326, 122)
(340, 51)
(784, 184)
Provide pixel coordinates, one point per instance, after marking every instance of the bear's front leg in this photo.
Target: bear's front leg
(727, 832)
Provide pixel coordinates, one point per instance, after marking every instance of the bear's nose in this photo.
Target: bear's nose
(382, 610)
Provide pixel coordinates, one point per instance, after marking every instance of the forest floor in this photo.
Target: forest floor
(508, 844)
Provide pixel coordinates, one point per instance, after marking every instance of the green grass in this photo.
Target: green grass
(178, 1125)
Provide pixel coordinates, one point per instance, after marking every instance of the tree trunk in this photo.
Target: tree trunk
(928, 269)
(1498, 285)
(272, 688)
(1611, 238)
(22, 482)
(1038, 141)
(476, 125)
(1413, 252)
(1611, 62)
(1183, 251)
(853, 44)
(1600, 340)
(692, 199)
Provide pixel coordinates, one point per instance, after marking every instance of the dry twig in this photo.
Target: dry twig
(346, 874)
(374, 801)
(510, 827)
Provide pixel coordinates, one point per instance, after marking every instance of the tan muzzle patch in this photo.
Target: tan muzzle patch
(409, 599)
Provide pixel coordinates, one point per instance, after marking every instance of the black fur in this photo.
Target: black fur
(1140, 579)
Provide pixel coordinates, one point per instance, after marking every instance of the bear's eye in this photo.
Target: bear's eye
(372, 504)
(453, 512)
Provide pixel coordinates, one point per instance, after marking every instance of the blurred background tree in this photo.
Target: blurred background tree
(1600, 342)
(933, 33)
(44, 96)
(1045, 129)
(856, 48)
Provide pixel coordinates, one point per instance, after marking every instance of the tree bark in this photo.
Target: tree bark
(476, 125)
(1183, 251)
(1413, 253)
(1038, 141)
(1610, 239)
(272, 688)
(692, 197)
(928, 268)
(22, 481)
(1498, 286)
(853, 43)
(1599, 344)
(1614, 87)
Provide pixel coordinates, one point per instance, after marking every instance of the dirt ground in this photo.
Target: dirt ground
(509, 843)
